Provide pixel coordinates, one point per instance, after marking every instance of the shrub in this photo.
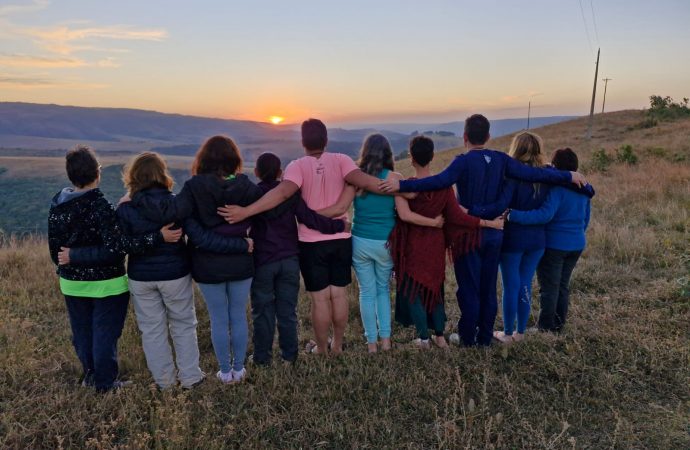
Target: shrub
(600, 160)
(626, 155)
(403, 155)
(664, 108)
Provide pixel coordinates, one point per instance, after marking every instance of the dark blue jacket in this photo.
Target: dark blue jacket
(166, 261)
(479, 177)
(215, 258)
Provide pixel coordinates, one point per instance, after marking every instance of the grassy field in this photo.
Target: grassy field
(617, 377)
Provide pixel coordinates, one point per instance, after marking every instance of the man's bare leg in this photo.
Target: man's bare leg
(340, 312)
(321, 318)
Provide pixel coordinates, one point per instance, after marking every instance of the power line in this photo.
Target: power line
(594, 21)
(584, 21)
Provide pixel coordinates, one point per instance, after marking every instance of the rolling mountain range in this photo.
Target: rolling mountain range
(38, 127)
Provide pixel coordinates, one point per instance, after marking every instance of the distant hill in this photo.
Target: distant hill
(54, 128)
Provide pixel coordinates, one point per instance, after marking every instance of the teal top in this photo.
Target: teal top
(374, 216)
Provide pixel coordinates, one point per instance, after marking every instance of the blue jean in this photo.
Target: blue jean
(476, 274)
(373, 265)
(96, 327)
(227, 310)
(517, 271)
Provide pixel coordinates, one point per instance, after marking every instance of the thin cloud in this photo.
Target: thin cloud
(44, 62)
(40, 82)
(64, 40)
(35, 5)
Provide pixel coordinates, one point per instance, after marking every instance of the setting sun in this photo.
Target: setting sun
(275, 120)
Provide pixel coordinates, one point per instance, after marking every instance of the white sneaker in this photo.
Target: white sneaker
(239, 375)
(454, 339)
(225, 378)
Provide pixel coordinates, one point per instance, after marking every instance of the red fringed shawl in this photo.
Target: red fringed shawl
(419, 252)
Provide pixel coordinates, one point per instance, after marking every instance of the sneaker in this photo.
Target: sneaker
(503, 338)
(224, 377)
(197, 383)
(238, 375)
(454, 339)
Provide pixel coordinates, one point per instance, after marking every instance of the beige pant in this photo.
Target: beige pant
(161, 306)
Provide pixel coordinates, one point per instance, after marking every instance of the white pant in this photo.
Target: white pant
(161, 306)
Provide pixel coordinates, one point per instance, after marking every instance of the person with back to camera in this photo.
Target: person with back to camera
(479, 176)
(325, 260)
(275, 288)
(566, 214)
(372, 223)
(222, 264)
(523, 245)
(93, 280)
(419, 252)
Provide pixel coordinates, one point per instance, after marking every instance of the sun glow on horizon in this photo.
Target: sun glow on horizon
(276, 120)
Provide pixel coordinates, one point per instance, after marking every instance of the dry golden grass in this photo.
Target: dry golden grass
(616, 378)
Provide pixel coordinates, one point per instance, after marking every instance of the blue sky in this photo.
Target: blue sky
(348, 61)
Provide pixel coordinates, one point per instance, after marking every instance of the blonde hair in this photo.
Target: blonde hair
(146, 170)
(527, 148)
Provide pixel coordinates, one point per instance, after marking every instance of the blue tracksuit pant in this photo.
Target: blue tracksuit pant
(476, 274)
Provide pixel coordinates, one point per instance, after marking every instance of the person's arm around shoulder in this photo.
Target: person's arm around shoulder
(407, 215)
(516, 169)
(447, 178)
(274, 197)
(542, 215)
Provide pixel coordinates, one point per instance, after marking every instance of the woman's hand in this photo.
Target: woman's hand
(63, 256)
(439, 221)
(170, 235)
(250, 244)
(496, 224)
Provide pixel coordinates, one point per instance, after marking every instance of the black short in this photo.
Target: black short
(326, 263)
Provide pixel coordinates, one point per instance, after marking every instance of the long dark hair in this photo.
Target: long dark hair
(376, 154)
(219, 156)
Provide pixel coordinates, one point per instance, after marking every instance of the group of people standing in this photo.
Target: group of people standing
(251, 241)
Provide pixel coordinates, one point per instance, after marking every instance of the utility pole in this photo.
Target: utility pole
(529, 109)
(594, 94)
(606, 82)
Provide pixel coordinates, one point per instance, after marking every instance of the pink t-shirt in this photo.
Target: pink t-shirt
(321, 180)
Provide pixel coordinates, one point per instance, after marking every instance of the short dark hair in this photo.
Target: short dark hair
(565, 159)
(477, 129)
(219, 155)
(422, 150)
(82, 166)
(314, 134)
(267, 167)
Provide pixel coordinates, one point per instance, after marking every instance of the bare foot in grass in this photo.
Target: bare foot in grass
(386, 344)
(440, 342)
(372, 348)
(518, 337)
(503, 338)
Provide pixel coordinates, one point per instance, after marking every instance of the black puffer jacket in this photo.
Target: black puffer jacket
(88, 220)
(215, 258)
(166, 261)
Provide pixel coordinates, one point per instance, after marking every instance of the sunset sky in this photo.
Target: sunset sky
(347, 62)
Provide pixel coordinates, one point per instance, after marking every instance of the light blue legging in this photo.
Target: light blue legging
(373, 265)
(227, 310)
(517, 271)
